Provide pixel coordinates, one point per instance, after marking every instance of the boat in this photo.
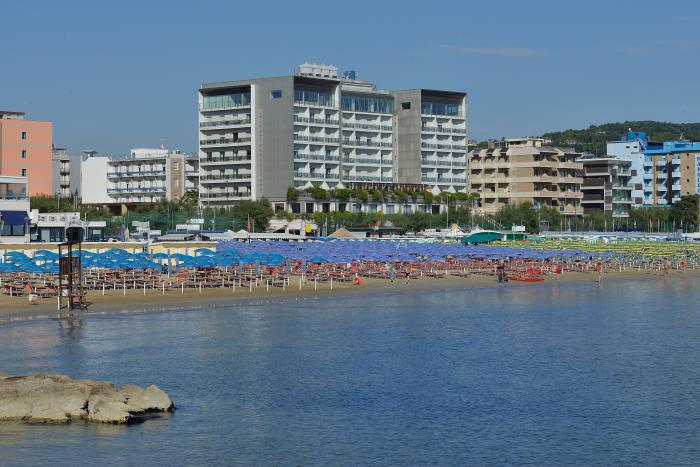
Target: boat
(478, 235)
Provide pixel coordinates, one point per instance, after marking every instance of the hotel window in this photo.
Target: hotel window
(24, 153)
(24, 172)
(276, 94)
(24, 135)
(406, 105)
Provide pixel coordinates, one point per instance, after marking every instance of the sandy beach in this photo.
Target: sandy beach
(13, 309)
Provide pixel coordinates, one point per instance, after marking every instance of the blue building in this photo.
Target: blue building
(669, 169)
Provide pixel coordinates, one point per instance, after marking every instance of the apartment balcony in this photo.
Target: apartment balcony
(440, 129)
(365, 161)
(367, 178)
(444, 147)
(443, 180)
(316, 175)
(151, 189)
(316, 121)
(136, 174)
(192, 173)
(224, 196)
(304, 156)
(367, 126)
(368, 144)
(459, 164)
(226, 123)
(316, 139)
(225, 142)
(227, 107)
(319, 104)
(436, 163)
(224, 178)
(225, 160)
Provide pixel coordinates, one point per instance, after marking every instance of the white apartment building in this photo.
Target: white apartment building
(259, 137)
(143, 176)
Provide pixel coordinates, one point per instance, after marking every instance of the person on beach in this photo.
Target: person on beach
(392, 275)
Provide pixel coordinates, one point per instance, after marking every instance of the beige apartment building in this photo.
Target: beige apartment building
(512, 171)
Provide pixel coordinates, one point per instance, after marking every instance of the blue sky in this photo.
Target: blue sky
(117, 75)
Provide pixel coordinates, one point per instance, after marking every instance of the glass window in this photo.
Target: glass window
(440, 108)
(406, 105)
(24, 153)
(226, 100)
(367, 104)
(309, 97)
(24, 172)
(24, 135)
(276, 94)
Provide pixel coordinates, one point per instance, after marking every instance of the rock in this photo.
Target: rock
(151, 399)
(107, 407)
(57, 398)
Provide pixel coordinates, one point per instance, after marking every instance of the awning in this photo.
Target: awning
(14, 217)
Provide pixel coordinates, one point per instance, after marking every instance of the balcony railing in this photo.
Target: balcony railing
(10, 197)
(224, 177)
(239, 121)
(370, 144)
(220, 141)
(428, 179)
(304, 156)
(364, 160)
(317, 121)
(319, 176)
(225, 159)
(366, 126)
(137, 190)
(316, 139)
(230, 195)
(141, 173)
(449, 147)
(443, 129)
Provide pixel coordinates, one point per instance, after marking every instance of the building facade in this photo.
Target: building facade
(516, 170)
(259, 137)
(143, 176)
(25, 151)
(66, 173)
(667, 170)
(607, 186)
(14, 209)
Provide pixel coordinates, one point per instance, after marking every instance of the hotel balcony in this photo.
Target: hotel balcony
(366, 161)
(224, 178)
(305, 156)
(366, 126)
(443, 129)
(225, 142)
(369, 144)
(225, 160)
(316, 175)
(316, 139)
(316, 121)
(226, 123)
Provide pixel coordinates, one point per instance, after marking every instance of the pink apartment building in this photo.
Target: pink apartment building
(25, 151)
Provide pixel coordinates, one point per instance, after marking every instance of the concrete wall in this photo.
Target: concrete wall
(407, 135)
(273, 144)
(93, 188)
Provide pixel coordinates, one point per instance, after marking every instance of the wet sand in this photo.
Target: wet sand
(13, 309)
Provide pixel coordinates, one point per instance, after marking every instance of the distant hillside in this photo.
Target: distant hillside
(595, 136)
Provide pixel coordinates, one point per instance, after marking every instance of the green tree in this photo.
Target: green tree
(684, 213)
(260, 213)
(292, 194)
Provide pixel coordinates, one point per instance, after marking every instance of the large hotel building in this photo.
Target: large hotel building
(259, 137)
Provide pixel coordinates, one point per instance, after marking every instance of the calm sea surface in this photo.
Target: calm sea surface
(547, 375)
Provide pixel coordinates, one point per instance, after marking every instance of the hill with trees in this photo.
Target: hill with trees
(593, 139)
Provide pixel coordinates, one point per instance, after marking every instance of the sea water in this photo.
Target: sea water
(545, 374)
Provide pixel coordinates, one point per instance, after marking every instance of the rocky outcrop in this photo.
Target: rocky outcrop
(57, 398)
